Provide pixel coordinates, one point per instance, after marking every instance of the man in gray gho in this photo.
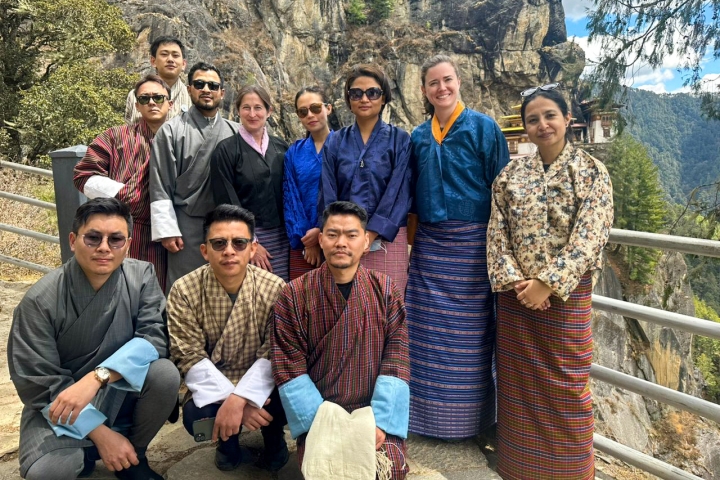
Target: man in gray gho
(180, 194)
(87, 354)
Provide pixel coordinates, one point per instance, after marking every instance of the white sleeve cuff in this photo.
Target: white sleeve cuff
(207, 384)
(257, 384)
(163, 220)
(103, 187)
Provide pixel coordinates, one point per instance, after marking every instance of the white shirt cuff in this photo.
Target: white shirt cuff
(103, 187)
(163, 220)
(257, 384)
(207, 384)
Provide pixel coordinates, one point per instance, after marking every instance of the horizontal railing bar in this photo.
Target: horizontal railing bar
(22, 263)
(27, 169)
(695, 246)
(28, 200)
(680, 400)
(641, 460)
(30, 233)
(679, 321)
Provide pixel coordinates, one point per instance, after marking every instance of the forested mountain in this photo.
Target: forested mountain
(685, 146)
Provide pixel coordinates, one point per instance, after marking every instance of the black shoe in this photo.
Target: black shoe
(273, 461)
(141, 471)
(230, 455)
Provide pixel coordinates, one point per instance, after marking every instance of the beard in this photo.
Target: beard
(201, 104)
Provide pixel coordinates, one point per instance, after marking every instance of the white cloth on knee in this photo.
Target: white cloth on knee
(340, 445)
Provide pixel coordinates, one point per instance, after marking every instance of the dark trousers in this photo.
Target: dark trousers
(272, 434)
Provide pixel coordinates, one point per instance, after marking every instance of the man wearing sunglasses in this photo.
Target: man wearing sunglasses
(167, 56)
(180, 192)
(87, 354)
(116, 165)
(220, 324)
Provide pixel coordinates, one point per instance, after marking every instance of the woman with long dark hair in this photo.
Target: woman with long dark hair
(303, 166)
(368, 163)
(551, 217)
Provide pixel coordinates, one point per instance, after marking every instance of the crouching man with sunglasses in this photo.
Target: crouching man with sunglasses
(87, 354)
(220, 324)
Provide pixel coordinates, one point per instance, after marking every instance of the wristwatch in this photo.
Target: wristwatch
(102, 375)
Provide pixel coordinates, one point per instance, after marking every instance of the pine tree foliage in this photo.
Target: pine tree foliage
(639, 200)
(356, 12)
(381, 9)
(706, 353)
(644, 32)
(37, 37)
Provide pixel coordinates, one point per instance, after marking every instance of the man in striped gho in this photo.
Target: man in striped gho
(116, 165)
(340, 336)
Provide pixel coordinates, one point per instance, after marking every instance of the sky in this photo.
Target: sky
(666, 79)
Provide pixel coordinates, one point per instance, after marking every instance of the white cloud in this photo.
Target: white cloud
(576, 9)
(656, 88)
(710, 82)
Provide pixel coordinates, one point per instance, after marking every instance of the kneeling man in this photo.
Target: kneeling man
(220, 322)
(87, 352)
(340, 336)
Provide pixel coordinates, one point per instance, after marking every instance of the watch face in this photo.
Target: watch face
(103, 373)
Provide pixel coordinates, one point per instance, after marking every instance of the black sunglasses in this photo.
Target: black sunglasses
(220, 244)
(200, 84)
(315, 108)
(372, 93)
(158, 99)
(93, 240)
(545, 88)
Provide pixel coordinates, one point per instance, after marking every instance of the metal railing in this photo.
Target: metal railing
(21, 231)
(680, 400)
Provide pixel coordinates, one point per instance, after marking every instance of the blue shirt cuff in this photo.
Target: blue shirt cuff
(301, 400)
(89, 419)
(384, 227)
(391, 405)
(132, 361)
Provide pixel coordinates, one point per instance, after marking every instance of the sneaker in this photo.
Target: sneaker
(274, 461)
(141, 471)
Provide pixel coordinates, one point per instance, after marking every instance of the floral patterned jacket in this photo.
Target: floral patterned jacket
(549, 225)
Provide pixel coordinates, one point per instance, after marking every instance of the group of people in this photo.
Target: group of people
(290, 285)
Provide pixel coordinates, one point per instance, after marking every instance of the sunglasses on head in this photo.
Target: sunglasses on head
(220, 244)
(545, 88)
(158, 99)
(315, 108)
(93, 240)
(372, 93)
(200, 84)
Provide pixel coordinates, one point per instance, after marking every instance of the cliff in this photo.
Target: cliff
(660, 355)
(501, 48)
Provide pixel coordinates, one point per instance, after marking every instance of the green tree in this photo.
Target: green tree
(356, 12)
(76, 103)
(706, 353)
(39, 36)
(639, 200)
(381, 9)
(645, 32)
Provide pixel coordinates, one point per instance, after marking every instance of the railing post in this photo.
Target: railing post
(67, 197)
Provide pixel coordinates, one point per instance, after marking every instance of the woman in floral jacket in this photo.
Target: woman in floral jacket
(551, 217)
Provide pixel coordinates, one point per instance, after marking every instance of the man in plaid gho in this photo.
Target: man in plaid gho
(340, 336)
(220, 323)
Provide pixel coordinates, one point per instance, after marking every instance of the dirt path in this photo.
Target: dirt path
(10, 406)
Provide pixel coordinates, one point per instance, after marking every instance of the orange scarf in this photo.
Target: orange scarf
(439, 134)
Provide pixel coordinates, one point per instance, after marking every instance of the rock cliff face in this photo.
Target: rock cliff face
(501, 47)
(658, 354)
